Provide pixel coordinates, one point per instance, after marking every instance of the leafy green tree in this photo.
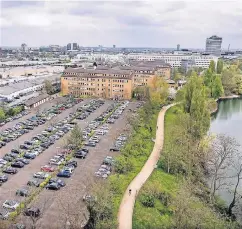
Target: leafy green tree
(212, 66)
(199, 113)
(217, 88)
(228, 81)
(10, 112)
(193, 84)
(213, 83)
(220, 65)
(76, 137)
(240, 66)
(48, 87)
(195, 104)
(238, 81)
(2, 114)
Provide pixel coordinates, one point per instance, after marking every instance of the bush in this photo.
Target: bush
(148, 200)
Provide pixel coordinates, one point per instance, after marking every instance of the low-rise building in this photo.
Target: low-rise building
(34, 102)
(113, 83)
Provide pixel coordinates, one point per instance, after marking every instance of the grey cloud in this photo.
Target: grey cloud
(15, 4)
(175, 6)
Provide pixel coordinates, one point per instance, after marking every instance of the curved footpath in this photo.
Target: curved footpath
(127, 205)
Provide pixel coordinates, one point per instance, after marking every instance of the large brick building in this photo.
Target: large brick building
(114, 83)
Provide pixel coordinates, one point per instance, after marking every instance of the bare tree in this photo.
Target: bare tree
(222, 151)
(42, 205)
(238, 166)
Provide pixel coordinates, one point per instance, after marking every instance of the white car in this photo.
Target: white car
(55, 162)
(35, 153)
(2, 161)
(41, 175)
(11, 204)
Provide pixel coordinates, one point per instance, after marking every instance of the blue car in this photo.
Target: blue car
(29, 156)
(64, 173)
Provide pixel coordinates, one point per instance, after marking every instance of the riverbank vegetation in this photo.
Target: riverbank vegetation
(103, 213)
(177, 195)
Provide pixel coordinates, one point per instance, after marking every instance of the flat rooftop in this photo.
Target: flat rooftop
(18, 86)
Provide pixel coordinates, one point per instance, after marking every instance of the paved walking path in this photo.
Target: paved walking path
(128, 201)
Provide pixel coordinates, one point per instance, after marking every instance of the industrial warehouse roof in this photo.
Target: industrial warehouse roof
(18, 86)
(36, 99)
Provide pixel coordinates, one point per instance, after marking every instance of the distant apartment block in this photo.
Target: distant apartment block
(187, 64)
(174, 60)
(213, 45)
(72, 47)
(112, 83)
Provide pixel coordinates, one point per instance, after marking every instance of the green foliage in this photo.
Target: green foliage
(2, 114)
(238, 82)
(76, 137)
(212, 66)
(134, 154)
(220, 65)
(147, 200)
(228, 81)
(214, 84)
(48, 87)
(217, 88)
(178, 201)
(123, 165)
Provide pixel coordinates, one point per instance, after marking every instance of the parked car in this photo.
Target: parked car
(10, 170)
(34, 212)
(35, 183)
(47, 168)
(41, 175)
(23, 160)
(80, 154)
(10, 204)
(53, 186)
(3, 178)
(22, 192)
(63, 173)
(58, 181)
(17, 164)
(92, 144)
(74, 163)
(4, 214)
(29, 156)
(15, 151)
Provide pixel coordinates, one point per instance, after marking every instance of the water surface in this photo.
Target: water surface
(228, 120)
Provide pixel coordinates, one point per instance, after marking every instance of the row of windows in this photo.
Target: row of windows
(70, 84)
(98, 80)
(94, 74)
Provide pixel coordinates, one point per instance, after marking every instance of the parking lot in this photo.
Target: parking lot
(58, 206)
(33, 111)
(80, 178)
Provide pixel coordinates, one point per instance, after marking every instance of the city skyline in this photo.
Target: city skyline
(125, 24)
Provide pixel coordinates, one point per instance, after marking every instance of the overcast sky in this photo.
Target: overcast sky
(124, 23)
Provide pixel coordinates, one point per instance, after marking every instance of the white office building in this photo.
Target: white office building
(213, 45)
(175, 59)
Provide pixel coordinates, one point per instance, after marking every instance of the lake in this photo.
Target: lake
(228, 120)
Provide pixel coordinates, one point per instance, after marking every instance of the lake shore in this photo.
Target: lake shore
(224, 98)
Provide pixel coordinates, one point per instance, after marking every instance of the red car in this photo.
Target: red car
(47, 168)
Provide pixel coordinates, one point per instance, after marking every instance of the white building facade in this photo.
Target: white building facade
(175, 59)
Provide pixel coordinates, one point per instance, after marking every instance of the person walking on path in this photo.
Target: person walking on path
(130, 191)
